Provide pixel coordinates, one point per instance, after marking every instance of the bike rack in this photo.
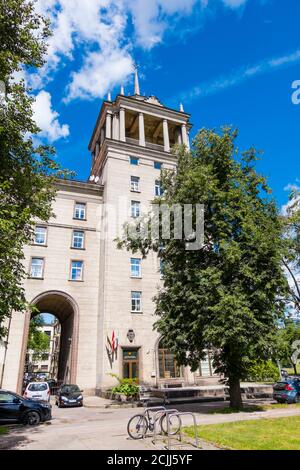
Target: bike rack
(169, 415)
(166, 412)
(156, 409)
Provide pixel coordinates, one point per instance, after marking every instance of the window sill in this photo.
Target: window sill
(76, 280)
(80, 220)
(75, 248)
(36, 278)
(136, 313)
(39, 244)
(135, 191)
(136, 277)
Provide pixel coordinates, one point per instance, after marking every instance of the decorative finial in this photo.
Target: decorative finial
(122, 90)
(109, 97)
(136, 82)
(181, 108)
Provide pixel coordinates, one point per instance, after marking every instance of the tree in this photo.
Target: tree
(225, 296)
(286, 337)
(291, 259)
(38, 341)
(27, 170)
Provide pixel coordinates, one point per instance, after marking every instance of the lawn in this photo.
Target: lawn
(3, 430)
(259, 434)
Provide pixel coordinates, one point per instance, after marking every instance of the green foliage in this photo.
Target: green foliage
(27, 170)
(263, 371)
(291, 260)
(283, 343)
(38, 341)
(226, 295)
(128, 387)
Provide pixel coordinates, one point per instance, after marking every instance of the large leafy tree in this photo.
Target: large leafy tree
(27, 170)
(291, 259)
(38, 341)
(226, 295)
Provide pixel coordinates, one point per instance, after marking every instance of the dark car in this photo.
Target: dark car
(16, 409)
(69, 395)
(287, 390)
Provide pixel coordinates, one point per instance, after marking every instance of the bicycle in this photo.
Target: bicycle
(139, 424)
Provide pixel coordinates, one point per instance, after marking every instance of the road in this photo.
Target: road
(103, 429)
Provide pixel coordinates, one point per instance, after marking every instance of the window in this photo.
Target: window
(135, 209)
(78, 239)
(136, 301)
(40, 235)
(168, 368)
(158, 188)
(161, 267)
(135, 267)
(76, 270)
(206, 367)
(135, 183)
(157, 165)
(6, 397)
(80, 211)
(36, 269)
(134, 161)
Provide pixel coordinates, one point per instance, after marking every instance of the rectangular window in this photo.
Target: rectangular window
(158, 188)
(134, 161)
(76, 270)
(135, 209)
(135, 267)
(157, 165)
(40, 235)
(136, 301)
(80, 211)
(78, 239)
(36, 268)
(135, 183)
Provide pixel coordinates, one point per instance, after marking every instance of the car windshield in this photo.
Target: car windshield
(70, 388)
(36, 387)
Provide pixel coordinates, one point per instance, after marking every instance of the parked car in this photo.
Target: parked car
(69, 395)
(38, 391)
(287, 390)
(16, 409)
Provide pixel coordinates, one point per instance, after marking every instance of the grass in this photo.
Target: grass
(259, 434)
(3, 430)
(253, 408)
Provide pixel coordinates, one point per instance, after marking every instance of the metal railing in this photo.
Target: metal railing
(178, 415)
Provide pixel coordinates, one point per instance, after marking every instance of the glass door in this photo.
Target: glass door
(131, 364)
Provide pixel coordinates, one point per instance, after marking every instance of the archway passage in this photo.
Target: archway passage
(64, 308)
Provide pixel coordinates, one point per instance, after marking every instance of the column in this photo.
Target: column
(97, 149)
(115, 127)
(166, 136)
(141, 130)
(108, 126)
(122, 125)
(184, 135)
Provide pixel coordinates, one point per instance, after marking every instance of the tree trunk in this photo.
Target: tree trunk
(295, 368)
(235, 394)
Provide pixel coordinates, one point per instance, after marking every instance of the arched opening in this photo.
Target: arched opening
(167, 365)
(63, 307)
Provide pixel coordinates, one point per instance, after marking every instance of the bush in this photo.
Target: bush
(127, 387)
(264, 371)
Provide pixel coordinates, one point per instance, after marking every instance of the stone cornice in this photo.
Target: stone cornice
(84, 187)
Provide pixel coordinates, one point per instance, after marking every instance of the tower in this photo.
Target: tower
(131, 142)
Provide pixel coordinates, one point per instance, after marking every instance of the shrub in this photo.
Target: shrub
(263, 371)
(128, 387)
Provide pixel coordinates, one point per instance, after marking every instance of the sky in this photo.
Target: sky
(228, 61)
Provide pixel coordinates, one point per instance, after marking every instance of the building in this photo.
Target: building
(102, 296)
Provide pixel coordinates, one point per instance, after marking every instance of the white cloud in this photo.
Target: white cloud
(98, 29)
(241, 75)
(47, 119)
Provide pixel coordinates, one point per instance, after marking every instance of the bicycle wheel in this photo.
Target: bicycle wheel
(137, 427)
(175, 424)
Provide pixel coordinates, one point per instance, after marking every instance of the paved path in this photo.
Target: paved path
(96, 429)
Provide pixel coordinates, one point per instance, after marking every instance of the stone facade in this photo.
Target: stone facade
(101, 332)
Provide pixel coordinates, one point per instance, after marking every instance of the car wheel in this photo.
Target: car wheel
(32, 418)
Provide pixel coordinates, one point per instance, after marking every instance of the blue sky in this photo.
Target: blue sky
(228, 61)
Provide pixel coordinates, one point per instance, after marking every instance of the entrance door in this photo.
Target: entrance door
(131, 364)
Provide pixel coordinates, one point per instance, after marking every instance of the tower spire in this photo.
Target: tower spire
(136, 82)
